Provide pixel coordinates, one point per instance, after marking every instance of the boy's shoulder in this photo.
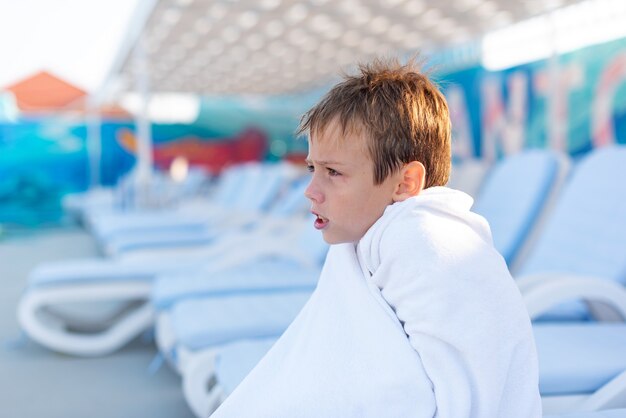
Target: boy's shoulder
(431, 209)
(437, 218)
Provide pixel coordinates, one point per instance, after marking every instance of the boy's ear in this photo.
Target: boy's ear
(411, 180)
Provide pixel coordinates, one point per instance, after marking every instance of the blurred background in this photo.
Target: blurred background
(88, 87)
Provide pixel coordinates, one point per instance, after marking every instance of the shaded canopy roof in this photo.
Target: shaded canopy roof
(277, 46)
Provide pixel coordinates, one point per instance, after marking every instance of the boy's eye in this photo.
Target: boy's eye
(332, 172)
(310, 168)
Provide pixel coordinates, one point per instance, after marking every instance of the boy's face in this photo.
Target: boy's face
(342, 191)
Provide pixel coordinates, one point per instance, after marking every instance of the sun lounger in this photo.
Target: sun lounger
(200, 223)
(583, 240)
(515, 197)
(129, 285)
(297, 270)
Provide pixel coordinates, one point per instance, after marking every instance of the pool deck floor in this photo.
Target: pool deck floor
(38, 383)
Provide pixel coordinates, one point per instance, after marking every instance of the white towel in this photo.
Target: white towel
(436, 266)
(426, 269)
(345, 355)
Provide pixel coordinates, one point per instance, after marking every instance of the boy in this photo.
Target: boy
(415, 313)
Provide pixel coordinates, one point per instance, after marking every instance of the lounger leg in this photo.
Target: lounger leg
(165, 338)
(202, 392)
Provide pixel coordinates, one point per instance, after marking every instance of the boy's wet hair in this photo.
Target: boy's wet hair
(400, 111)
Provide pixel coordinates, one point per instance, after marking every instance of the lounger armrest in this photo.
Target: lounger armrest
(183, 252)
(260, 249)
(526, 283)
(285, 230)
(543, 292)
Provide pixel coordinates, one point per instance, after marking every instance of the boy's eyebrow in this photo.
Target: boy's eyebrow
(323, 162)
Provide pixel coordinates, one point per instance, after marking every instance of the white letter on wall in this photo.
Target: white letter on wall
(556, 87)
(502, 127)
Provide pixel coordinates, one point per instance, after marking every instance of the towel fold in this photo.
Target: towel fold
(345, 355)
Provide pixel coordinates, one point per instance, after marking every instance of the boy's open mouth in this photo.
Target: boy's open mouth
(320, 222)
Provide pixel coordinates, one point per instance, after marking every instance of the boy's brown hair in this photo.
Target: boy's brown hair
(402, 113)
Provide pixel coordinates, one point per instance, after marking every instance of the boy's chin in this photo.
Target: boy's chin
(330, 239)
(334, 240)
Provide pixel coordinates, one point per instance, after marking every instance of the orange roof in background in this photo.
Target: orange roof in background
(44, 92)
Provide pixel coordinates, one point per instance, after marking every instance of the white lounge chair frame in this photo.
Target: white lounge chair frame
(542, 292)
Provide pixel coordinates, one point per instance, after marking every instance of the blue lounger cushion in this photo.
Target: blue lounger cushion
(235, 361)
(89, 271)
(106, 226)
(264, 276)
(512, 218)
(202, 323)
(175, 237)
(579, 358)
(264, 193)
(260, 185)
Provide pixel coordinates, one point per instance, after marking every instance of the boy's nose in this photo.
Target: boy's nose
(313, 193)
